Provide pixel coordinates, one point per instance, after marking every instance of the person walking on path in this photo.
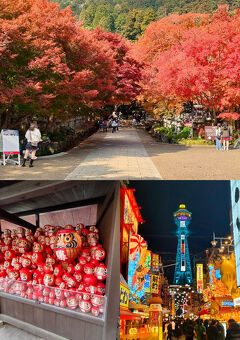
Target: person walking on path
(220, 328)
(33, 137)
(200, 330)
(114, 126)
(233, 331)
(218, 137)
(212, 331)
(226, 134)
(169, 331)
(188, 329)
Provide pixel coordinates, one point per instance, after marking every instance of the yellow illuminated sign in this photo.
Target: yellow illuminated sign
(154, 284)
(124, 296)
(199, 278)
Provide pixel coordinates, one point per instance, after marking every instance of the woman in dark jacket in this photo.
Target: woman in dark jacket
(233, 332)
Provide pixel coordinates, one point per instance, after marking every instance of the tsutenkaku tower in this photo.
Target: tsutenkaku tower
(183, 271)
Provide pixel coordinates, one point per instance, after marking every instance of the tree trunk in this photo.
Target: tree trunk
(214, 116)
(5, 119)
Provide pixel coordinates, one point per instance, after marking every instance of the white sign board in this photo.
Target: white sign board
(9, 144)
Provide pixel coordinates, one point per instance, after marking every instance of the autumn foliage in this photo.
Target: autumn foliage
(193, 57)
(51, 66)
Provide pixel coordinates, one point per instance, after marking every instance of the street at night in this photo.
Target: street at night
(178, 266)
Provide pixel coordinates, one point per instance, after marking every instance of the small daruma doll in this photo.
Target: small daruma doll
(72, 302)
(23, 245)
(48, 279)
(101, 272)
(68, 245)
(25, 275)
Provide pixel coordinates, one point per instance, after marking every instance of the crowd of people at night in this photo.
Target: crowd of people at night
(200, 330)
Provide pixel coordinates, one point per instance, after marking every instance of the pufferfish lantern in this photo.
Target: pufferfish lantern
(228, 273)
(68, 245)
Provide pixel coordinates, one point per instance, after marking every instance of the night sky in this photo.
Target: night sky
(209, 202)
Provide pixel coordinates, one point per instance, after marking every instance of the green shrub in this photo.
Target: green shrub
(185, 133)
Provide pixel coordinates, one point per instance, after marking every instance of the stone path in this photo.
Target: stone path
(8, 332)
(120, 155)
(130, 154)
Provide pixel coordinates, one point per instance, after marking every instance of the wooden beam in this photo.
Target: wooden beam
(16, 220)
(63, 206)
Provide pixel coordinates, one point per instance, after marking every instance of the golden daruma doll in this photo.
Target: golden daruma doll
(68, 245)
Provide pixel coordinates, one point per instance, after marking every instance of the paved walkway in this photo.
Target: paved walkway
(102, 156)
(121, 155)
(8, 332)
(130, 154)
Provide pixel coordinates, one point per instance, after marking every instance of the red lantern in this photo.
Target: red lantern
(68, 245)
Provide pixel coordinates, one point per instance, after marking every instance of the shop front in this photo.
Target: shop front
(140, 276)
(59, 268)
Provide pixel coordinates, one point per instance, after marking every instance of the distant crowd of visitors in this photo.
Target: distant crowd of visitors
(201, 330)
(111, 122)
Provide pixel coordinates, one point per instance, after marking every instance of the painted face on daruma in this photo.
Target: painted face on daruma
(23, 245)
(37, 247)
(68, 245)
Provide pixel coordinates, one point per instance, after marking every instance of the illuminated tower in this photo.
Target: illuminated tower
(183, 271)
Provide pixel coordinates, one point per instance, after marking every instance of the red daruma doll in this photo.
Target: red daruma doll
(68, 245)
